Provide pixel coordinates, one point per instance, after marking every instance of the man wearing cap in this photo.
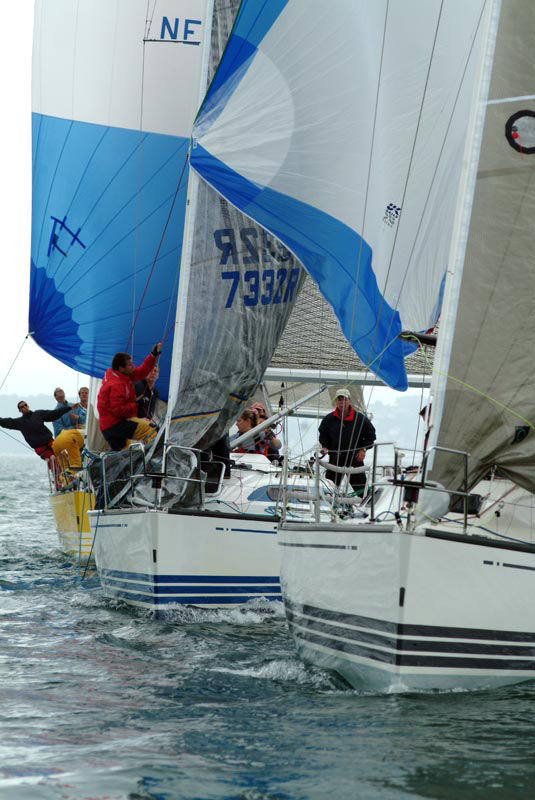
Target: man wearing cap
(345, 434)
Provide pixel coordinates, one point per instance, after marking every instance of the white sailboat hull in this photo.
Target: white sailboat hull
(156, 559)
(396, 611)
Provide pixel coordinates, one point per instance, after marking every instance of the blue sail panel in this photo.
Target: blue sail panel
(107, 225)
(253, 21)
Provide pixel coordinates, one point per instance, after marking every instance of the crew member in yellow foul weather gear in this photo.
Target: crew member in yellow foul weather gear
(116, 402)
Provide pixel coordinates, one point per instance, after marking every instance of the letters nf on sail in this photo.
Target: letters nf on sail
(343, 134)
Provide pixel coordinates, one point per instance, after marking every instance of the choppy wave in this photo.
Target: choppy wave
(99, 700)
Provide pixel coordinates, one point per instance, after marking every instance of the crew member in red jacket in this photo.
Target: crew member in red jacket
(117, 401)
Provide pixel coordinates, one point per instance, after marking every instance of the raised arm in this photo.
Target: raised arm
(11, 422)
(56, 413)
(141, 372)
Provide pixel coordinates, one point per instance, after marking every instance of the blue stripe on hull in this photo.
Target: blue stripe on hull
(192, 600)
(210, 590)
(113, 583)
(115, 573)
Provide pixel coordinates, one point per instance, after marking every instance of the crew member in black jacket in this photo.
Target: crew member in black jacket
(31, 425)
(345, 434)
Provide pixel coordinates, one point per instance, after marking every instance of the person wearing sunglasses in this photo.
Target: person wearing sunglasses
(31, 425)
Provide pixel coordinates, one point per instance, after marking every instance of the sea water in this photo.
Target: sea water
(100, 701)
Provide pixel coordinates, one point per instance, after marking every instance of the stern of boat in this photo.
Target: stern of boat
(70, 509)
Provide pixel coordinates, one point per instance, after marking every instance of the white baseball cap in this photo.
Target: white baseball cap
(343, 393)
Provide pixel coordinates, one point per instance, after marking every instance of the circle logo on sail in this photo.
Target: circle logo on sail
(520, 131)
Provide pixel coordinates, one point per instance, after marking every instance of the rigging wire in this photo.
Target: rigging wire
(427, 198)
(30, 333)
(367, 366)
(416, 437)
(477, 391)
(432, 182)
(186, 160)
(409, 172)
(368, 179)
(148, 20)
(27, 446)
(81, 525)
(138, 193)
(24, 444)
(166, 327)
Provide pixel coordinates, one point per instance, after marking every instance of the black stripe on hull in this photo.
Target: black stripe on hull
(480, 541)
(410, 645)
(316, 628)
(402, 660)
(404, 629)
(319, 546)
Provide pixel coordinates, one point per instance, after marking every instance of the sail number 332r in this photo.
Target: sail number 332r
(262, 286)
(268, 283)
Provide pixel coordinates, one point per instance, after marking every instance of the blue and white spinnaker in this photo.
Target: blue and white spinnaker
(115, 91)
(340, 128)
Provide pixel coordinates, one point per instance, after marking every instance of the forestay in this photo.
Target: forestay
(489, 402)
(341, 130)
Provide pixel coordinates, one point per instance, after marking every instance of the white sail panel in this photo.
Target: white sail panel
(231, 326)
(343, 134)
(110, 62)
(489, 404)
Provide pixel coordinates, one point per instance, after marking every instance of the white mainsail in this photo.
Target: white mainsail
(489, 403)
